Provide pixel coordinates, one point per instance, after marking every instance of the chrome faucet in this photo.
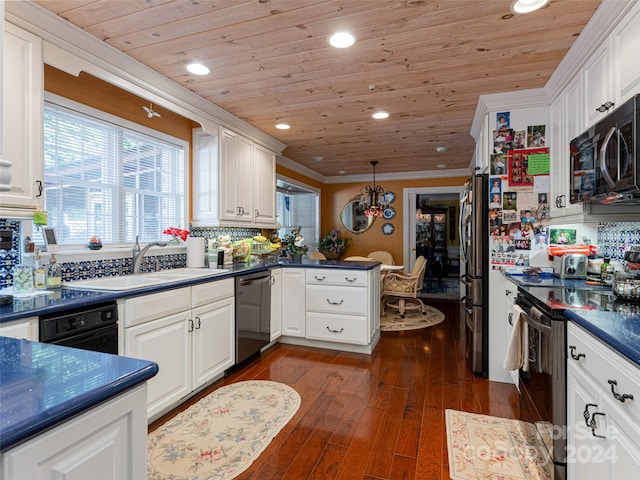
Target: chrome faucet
(138, 253)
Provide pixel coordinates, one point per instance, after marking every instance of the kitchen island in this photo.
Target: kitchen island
(64, 410)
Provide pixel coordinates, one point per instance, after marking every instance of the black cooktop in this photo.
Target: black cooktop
(563, 298)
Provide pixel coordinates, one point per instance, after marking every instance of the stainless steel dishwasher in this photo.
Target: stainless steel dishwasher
(253, 313)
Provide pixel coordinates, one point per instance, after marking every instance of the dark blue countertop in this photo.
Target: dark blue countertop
(615, 322)
(66, 298)
(42, 385)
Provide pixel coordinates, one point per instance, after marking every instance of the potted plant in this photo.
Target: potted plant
(333, 245)
(293, 243)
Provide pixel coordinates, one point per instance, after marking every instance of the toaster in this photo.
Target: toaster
(570, 265)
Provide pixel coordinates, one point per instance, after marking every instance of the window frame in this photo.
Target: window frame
(311, 242)
(119, 122)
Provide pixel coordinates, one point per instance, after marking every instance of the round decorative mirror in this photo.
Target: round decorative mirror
(353, 217)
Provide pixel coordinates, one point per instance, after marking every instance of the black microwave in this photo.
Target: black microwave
(604, 160)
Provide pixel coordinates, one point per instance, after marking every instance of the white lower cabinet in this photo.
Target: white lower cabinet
(331, 308)
(603, 428)
(276, 303)
(293, 302)
(108, 442)
(26, 328)
(191, 347)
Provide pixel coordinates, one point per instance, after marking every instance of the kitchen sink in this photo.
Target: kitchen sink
(115, 283)
(129, 282)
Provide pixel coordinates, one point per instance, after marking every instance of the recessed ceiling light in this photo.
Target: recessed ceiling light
(380, 115)
(342, 172)
(442, 165)
(342, 40)
(197, 69)
(283, 126)
(526, 6)
(440, 149)
(318, 158)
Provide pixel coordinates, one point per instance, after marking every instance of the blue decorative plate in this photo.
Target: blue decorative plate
(390, 197)
(387, 229)
(389, 213)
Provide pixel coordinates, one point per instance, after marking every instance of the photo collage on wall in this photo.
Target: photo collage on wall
(518, 193)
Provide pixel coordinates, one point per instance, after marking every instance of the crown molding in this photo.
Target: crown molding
(421, 175)
(598, 28)
(299, 168)
(73, 50)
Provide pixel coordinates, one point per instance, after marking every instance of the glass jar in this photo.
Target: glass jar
(54, 273)
(23, 278)
(626, 286)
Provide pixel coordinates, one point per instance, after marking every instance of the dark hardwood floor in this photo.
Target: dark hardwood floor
(378, 416)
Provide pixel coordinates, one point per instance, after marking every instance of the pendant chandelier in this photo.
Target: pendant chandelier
(372, 197)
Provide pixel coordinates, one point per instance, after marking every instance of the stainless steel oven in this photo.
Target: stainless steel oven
(543, 392)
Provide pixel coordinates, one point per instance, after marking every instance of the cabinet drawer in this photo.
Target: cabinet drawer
(602, 364)
(349, 278)
(337, 328)
(143, 309)
(211, 292)
(342, 300)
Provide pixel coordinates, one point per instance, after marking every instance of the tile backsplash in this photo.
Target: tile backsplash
(83, 269)
(615, 238)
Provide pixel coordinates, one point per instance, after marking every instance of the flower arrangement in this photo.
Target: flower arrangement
(294, 242)
(177, 233)
(333, 244)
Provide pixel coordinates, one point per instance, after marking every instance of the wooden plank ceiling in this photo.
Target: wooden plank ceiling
(424, 61)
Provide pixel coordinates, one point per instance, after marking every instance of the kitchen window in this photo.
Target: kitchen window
(298, 206)
(110, 178)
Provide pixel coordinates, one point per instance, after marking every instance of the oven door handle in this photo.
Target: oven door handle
(535, 324)
(464, 278)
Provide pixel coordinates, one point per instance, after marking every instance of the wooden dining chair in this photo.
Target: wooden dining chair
(317, 256)
(358, 258)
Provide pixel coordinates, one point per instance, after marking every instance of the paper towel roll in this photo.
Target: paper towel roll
(195, 252)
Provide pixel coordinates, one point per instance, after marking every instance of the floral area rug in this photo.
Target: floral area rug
(391, 321)
(491, 448)
(222, 434)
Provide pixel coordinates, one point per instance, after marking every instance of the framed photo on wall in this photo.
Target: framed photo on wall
(518, 166)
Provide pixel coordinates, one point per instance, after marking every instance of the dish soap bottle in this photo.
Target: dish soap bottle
(606, 272)
(54, 273)
(39, 272)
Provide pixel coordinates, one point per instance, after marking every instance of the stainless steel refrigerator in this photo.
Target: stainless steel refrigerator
(474, 235)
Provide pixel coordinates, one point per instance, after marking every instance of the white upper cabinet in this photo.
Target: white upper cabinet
(264, 173)
(625, 41)
(234, 181)
(22, 107)
(599, 98)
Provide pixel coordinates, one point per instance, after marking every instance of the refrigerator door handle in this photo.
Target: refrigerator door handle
(465, 305)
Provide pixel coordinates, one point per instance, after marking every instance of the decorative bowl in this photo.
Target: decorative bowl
(95, 246)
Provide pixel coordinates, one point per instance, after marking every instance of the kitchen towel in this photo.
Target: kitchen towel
(195, 252)
(518, 349)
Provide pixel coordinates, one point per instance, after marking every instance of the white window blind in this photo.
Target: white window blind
(109, 180)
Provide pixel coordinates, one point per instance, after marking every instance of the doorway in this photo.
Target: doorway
(424, 206)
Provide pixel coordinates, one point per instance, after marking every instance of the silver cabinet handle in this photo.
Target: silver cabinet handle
(198, 323)
(510, 319)
(621, 398)
(572, 352)
(336, 331)
(350, 280)
(190, 326)
(507, 292)
(334, 303)
(319, 278)
(257, 213)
